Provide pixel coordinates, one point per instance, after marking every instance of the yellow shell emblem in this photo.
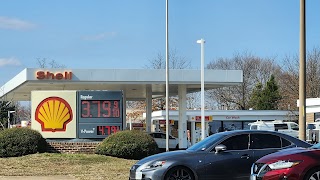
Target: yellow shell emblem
(53, 113)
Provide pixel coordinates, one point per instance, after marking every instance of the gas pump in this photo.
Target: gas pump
(197, 133)
(196, 128)
(313, 136)
(160, 126)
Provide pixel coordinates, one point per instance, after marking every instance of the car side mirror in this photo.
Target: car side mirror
(220, 147)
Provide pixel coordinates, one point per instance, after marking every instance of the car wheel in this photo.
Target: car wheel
(313, 174)
(179, 173)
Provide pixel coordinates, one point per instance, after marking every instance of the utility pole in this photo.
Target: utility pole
(302, 73)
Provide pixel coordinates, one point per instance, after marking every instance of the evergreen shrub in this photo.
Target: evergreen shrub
(21, 141)
(128, 144)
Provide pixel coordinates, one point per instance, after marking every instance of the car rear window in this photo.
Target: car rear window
(253, 127)
(285, 142)
(280, 126)
(294, 126)
(263, 141)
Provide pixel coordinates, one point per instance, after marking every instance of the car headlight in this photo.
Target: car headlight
(155, 164)
(283, 164)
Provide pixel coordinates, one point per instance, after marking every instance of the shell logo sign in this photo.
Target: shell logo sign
(53, 113)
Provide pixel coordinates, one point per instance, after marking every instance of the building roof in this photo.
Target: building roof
(133, 81)
(231, 115)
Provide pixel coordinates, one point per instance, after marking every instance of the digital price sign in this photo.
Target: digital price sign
(100, 108)
(100, 113)
(106, 130)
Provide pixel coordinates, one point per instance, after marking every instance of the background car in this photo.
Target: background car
(290, 128)
(296, 163)
(224, 155)
(160, 139)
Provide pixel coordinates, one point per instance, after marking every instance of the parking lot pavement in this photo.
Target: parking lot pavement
(59, 177)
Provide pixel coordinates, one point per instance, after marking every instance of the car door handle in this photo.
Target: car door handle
(245, 156)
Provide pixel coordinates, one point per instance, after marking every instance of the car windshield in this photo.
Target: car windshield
(207, 142)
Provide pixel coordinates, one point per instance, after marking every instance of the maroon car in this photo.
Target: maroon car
(289, 164)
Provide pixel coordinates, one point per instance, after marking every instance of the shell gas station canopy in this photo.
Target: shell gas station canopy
(135, 83)
(85, 97)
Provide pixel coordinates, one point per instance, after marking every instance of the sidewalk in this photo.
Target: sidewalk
(58, 177)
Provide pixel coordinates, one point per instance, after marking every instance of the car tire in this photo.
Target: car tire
(179, 173)
(313, 174)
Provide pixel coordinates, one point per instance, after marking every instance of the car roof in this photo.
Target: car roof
(252, 131)
(238, 132)
(314, 123)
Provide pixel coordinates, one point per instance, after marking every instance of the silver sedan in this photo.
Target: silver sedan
(221, 156)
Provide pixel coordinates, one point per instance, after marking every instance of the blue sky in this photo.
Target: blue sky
(127, 34)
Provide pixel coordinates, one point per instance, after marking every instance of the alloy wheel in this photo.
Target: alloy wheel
(314, 175)
(179, 174)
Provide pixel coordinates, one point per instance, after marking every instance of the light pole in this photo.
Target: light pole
(167, 75)
(9, 112)
(201, 42)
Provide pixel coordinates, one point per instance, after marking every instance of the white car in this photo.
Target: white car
(290, 128)
(160, 139)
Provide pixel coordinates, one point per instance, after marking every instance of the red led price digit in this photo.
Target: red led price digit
(115, 110)
(87, 109)
(98, 107)
(108, 129)
(106, 105)
(114, 129)
(101, 130)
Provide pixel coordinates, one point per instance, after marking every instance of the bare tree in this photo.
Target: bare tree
(23, 112)
(289, 81)
(192, 100)
(175, 61)
(136, 110)
(159, 62)
(313, 73)
(44, 63)
(255, 70)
